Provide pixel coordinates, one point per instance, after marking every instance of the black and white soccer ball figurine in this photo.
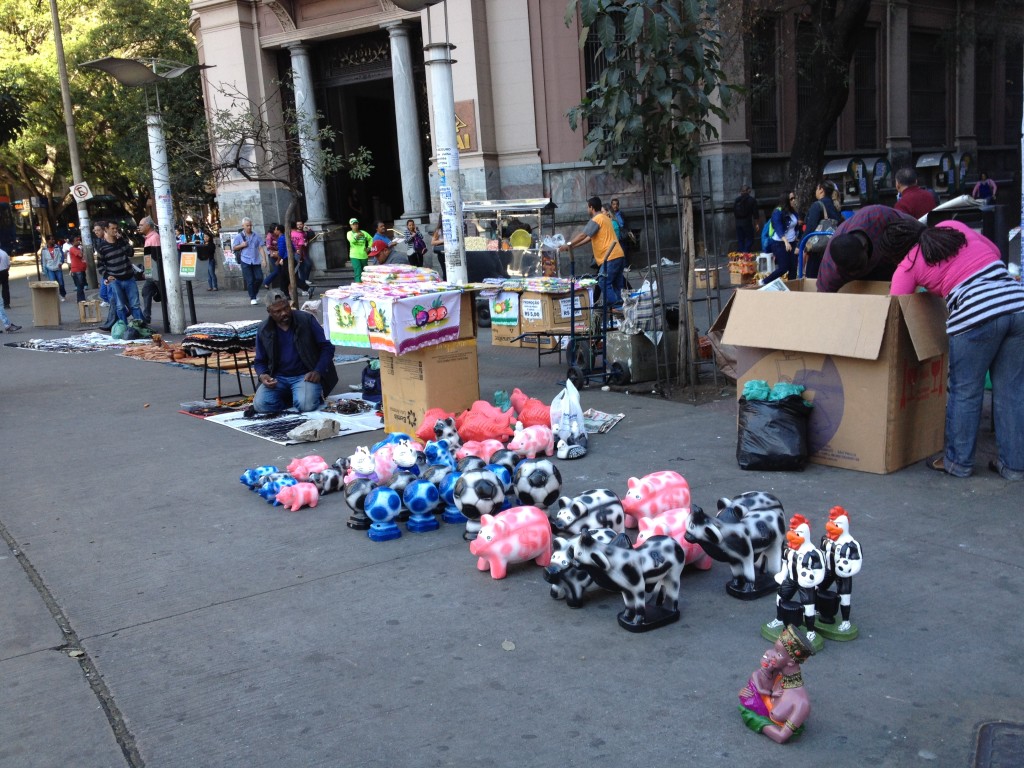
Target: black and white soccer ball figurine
(477, 492)
(537, 482)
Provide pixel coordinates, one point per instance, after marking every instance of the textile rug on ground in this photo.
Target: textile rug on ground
(352, 414)
(85, 342)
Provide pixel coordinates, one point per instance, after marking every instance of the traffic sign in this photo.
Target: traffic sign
(81, 192)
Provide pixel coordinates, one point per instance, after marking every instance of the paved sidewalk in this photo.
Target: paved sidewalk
(158, 614)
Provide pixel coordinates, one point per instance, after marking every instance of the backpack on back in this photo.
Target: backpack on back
(767, 231)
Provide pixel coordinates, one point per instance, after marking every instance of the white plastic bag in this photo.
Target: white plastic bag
(570, 435)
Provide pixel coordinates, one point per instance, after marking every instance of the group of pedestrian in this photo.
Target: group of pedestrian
(264, 260)
(985, 323)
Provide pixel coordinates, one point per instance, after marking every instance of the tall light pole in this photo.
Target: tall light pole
(136, 73)
(438, 58)
(84, 228)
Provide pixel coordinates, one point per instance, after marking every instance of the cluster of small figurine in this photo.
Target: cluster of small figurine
(299, 485)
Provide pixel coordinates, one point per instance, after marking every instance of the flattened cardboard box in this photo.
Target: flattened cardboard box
(874, 366)
(442, 376)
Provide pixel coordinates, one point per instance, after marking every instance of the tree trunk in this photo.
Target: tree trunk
(686, 262)
(289, 217)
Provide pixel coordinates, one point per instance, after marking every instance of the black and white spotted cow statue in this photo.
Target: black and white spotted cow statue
(597, 508)
(648, 577)
(748, 534)
(565, 577)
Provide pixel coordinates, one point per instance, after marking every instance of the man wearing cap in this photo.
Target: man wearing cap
(358, 244)
(294, 360)
(858, 250)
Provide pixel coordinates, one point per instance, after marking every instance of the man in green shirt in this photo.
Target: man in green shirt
(358, 243)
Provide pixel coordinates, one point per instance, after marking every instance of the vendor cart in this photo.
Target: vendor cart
(587, 350)
(512, 229)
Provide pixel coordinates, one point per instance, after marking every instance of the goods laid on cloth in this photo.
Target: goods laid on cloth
(230, 338)
(772, 431)
(276, 427)
(86, 342)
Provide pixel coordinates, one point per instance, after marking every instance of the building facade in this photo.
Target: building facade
(916, 88)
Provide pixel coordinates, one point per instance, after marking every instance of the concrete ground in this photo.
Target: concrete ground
(156, 613)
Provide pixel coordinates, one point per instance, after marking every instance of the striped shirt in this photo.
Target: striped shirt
(115, 259)
(974, 281)
(986, 295)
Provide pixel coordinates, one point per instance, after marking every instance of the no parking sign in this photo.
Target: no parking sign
(81, 192)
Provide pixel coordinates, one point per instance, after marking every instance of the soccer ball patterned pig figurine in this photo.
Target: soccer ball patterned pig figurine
(297, 496)
(653, 494)
(513, 536)
(529, 441)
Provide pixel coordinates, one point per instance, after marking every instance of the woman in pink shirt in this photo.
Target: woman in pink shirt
(78, 267)
(986, 334)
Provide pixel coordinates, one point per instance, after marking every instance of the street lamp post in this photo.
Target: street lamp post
(136, 73)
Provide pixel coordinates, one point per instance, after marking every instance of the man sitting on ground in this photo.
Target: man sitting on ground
(294, 360)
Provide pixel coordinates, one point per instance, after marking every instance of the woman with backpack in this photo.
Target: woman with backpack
(784, 237)
(824, 209)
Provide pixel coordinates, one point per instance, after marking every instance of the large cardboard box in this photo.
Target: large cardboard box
(874, 366)
(442, 376)
(506, 335)
(45, 303)
(553, 311)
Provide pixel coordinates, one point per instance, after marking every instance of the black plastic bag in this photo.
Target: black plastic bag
(772, 434)
(371, 383)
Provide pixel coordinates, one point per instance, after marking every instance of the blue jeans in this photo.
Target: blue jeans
(609, 278)
(302, 273)
(211, 273)
(290, 391)
(744, 236)
(127, 294)
(80, 283)
(58, 275)
(253, 276)
(996, 347)
(785, 261)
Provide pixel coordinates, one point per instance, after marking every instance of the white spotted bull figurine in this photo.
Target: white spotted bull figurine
(596, 508)
(648, 577)
(748, 535)
(568, 580)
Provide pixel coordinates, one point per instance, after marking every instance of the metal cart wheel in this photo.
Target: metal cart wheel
(617, 374)
(576, 377)
(579, 355)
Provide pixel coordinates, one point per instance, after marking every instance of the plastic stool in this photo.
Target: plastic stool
(765, 263)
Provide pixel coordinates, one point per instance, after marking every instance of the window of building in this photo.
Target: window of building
(595, 60)
(865, 91)
(1014, 92)
(762, 47)
(983, 109)
(928, 103)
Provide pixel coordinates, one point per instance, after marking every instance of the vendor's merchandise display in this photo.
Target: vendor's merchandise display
(229, 338)
(85, 342)
(396, 309)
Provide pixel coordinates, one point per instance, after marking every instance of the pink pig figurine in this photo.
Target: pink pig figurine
(529, 441)
(673, 523)
(300, 469)
(513, 536)
(297, 496)
(482, 449)
(653, 494)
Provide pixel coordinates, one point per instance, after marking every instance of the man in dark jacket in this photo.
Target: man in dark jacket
(294, 360)
(744, 209)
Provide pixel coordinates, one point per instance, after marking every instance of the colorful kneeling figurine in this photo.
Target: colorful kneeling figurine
(774, 702)
(513, 536)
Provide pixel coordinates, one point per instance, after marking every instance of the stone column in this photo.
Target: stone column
(897, 139)
(317, 216)
(966, 140)
(410, 149)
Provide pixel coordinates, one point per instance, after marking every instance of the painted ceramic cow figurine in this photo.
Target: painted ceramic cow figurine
(749, 529)
(566, 578)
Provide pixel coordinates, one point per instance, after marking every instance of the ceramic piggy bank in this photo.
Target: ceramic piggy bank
(513, 536)
(301, 468)
(529, 441)
(484, 449)
(297, 496)
(653, 494)
(673, 523)
(270, 490)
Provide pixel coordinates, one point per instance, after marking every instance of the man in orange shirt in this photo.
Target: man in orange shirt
(608, 254)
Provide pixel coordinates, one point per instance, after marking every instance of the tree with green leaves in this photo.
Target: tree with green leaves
(110, 119)
(660, 89)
